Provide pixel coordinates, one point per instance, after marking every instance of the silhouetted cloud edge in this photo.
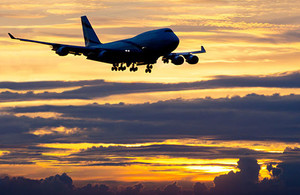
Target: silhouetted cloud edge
(100, 88)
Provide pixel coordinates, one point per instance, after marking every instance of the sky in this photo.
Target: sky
(180, 123)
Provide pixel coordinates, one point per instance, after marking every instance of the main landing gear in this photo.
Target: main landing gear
(118, 67)
(133, 68)
(148, 68)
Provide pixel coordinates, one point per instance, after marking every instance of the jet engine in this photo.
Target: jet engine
(102, 55)
(62, 51)
(191, 59)
(177, 60)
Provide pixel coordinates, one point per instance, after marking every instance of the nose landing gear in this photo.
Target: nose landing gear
(115, 67)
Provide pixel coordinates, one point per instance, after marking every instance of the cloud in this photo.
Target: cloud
(200, 189)
(99, 88)
(172, 189)
(250, 118)
(241, 182)
(290, 174)
(58, 184)
(253, 117)
(244, 181)
(170, 151)
(40, 85)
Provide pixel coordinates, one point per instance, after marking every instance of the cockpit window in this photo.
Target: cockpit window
(168, 30)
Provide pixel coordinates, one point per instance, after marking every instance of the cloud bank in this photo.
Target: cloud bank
(251, 118)
(244, 181)
(100, 88)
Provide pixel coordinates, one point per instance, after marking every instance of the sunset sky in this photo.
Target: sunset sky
(179, 123)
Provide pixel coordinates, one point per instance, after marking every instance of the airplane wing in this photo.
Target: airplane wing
(61, 49)
(192, 52)
(178, 58)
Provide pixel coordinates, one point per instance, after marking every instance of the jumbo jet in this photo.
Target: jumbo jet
(143, 49)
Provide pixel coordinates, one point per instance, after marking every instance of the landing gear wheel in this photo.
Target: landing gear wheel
(115, 67)
(148, 68)
(133, 68)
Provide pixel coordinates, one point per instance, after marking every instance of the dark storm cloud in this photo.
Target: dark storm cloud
(40, 85)
(253, 117)
(291, 154)
(26, 153)
(174, 151)
(245, 181)
(242, 182)
(99, 88)
(58, 184)
(98, 155)
(63, 185)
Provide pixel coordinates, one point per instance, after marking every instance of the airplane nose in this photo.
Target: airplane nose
(174, 41)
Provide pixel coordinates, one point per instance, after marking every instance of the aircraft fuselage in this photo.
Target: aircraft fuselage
(144, 48)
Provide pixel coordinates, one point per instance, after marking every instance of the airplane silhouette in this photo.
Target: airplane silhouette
(143, 49)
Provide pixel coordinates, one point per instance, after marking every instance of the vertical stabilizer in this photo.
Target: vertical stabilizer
(89, 34)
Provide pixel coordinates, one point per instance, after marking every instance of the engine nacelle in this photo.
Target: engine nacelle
(191, 59)
(102, 55)
(177, 60)
(62, 51)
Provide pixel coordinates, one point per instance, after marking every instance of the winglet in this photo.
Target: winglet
(11, 36)
(203, 49)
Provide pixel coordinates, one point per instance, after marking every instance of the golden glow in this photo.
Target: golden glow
(157, 168)
(210, 169)
(131, 173)
(60, 130)
(40, 114)
(3, 152)
(186, 161)
(271, 147)
(241, 38)
(264, 173)
(180, 168)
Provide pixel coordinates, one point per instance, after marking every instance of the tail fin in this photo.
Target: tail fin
(89, 34)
